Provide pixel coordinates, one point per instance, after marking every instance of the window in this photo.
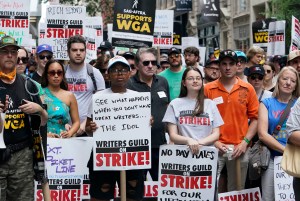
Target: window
(242, 5)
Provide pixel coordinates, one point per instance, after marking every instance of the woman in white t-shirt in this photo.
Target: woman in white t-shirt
(192, 119)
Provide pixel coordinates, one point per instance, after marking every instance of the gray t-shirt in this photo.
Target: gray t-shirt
(81, 84)
(180, 112)
(105, 92)
(293, 122)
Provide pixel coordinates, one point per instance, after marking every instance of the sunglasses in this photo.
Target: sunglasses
(132, 66)
(268, 71)
(174, 56)
(23, 59)
(42, 57)
(146, 63)
(241, 61)
(53, 73)
(254, 77)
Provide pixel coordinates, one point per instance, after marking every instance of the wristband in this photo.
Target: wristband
(246, 140)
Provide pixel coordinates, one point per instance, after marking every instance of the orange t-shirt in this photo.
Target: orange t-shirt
(236, 108)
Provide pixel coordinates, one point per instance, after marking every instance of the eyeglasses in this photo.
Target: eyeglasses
(42, 57)
(116, 71)
(53, 73)
(146, 63)
(23, 59)
(172, 56)
(241, 61)
(268, 71)
(6, 52)
(254, 77)
(194, 78)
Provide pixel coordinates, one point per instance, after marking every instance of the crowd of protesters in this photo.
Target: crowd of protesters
(241, 93)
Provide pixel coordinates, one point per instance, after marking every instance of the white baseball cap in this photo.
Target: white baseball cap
(118, 59)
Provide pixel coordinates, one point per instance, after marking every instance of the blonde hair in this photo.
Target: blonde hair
(253, 51)
(296, 92)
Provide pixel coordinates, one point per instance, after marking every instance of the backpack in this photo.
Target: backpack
(90, 72)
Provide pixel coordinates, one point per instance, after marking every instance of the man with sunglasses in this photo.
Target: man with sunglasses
(174, 73)
(43, 54)
(146, 80)
(237, 103)
(16, 161)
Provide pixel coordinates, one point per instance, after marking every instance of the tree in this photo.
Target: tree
(283, 10)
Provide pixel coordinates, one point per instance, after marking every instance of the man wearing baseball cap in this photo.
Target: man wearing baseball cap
(294, 59)
(105, 46)
(16, 161)
(43, 54)
(174, 73)
(237, 103)
(211, 70)
(102, 183)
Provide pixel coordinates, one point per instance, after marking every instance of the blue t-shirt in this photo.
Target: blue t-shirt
(275, 110)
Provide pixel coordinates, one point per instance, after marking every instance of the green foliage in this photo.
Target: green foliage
(283, 10)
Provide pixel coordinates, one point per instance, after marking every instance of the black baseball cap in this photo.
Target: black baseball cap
(256, 69)
(173, 50)
(129, 55)
(105, 45)
(210, 61)
(228, 53)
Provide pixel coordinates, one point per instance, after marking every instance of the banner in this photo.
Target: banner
(183, 5)
(252, 194)
(123, 138)
(210, 11)
(216, 46)
(163, 29)
(15, 19)
(187, 176)
(283, 183)
(61, 189)
(91, 44)
(276, 45)
(295, 38)
(260, 32)
(133, 24)
(95, 23)
(67, 169)
(62, 22)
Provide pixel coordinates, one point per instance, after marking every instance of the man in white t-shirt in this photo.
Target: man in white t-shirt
(83, 79)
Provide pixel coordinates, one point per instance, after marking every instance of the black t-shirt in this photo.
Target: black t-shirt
(160, 98)
(16, 126)
(36, 77)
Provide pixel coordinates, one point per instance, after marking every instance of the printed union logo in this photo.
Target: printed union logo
(135, 3)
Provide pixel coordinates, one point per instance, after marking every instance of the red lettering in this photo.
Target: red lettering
(116, 159)
(184, 182)
(162, 41)
(99, 161)
(151, 190)
(16, 23)
(54, 195)
(85, 189)
(90, 46)
(63, 33)
(39, 195)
